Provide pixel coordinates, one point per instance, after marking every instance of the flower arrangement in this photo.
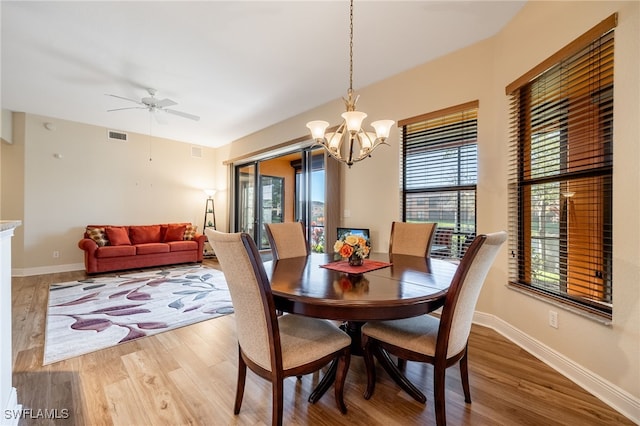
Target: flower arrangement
(352, 247)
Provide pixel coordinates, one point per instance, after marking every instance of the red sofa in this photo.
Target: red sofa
(113, 248)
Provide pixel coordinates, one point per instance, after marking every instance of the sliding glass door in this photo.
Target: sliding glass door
(245, 197)
(285, 188)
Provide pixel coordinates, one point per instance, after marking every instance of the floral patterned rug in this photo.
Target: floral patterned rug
(96, 313)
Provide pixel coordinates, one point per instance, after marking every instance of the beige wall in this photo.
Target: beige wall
(58, 181)
(371, 188)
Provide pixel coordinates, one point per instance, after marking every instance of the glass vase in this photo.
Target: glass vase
(355, 260)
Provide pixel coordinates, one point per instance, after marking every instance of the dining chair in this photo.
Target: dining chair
(287, 239)
(438, 341)
(411, 238)
(274, 347)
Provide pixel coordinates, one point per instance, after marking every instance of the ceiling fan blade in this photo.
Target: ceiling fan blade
(126, 99)
(182, 114)
(120, 109)
(165, 103)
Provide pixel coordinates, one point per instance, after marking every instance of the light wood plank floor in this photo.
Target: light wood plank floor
(188, 376)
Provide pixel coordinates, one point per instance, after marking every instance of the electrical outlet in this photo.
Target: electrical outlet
(56, 254)
(553, 319)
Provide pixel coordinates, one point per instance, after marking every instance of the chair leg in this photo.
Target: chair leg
(343, 367)
(277, 404)
(402, 363)
(369, 366)
(464, 376)
(438, 394)
(242, 374)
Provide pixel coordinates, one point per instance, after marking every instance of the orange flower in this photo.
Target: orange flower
(346, 251)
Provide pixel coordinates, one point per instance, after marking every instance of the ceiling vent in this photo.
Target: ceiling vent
(116, 136)
(196, 151)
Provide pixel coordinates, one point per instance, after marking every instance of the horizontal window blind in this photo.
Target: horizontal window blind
(560, 180)
(439, 175)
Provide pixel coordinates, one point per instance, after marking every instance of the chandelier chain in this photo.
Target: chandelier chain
(351, 46)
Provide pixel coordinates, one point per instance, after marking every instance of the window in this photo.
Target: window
(560, 181)
(439, 175)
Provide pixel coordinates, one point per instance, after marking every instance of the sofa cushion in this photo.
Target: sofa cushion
(150, 248)
(175, 232)
(183, 245)
(144, 234)
(190, 232)
(118, 236)
(98, 235)
(115, 251)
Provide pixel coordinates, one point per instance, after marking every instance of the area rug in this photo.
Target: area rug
(96, 313)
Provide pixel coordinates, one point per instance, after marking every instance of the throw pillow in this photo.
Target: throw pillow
(144, 234)
(175, 233)
(190, 232)
(98, 235)
(118, 236)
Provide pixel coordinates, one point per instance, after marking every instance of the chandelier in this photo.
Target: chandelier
(350, 143)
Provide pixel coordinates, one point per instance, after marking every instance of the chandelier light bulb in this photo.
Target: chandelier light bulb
(317, 128)
(383, 128)
(354, 120)
(333, 141)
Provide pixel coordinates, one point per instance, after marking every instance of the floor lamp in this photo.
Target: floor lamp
(209, 220)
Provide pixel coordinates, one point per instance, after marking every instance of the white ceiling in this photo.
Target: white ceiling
(239, 65)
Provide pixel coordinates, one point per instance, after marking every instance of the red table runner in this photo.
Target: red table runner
(367, 266)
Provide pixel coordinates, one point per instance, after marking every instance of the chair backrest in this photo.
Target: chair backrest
(287, 239)
(460, 303)
(413, 239)
(254, 309)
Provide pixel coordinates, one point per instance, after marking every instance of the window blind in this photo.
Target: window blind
(439, 175)
(560, 179)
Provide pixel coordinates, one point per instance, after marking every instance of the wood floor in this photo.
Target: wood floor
(188, 376)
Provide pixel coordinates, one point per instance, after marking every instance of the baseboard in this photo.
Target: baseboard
(12, 412)
(40, 270)
(607, 392)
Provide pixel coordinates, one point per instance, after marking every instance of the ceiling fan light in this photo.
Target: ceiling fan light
(317, 128)
(383, 128)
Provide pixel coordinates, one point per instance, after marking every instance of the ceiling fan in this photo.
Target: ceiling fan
(155, 105)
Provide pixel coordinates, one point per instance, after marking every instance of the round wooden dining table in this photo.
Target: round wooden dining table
(399, 286)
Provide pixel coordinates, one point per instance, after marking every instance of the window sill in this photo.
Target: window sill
(603, 319)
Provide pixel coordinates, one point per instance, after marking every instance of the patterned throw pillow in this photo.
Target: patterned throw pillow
(190, 232)
(98, 235)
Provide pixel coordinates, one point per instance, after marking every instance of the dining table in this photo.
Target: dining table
(386, 286)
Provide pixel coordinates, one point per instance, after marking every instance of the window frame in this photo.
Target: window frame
(594, 178)
(448, 243)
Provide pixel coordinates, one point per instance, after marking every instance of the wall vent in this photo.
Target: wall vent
(116, 136)
(196, 151)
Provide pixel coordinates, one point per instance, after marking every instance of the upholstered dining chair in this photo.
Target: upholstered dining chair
(438, 341)
(287, 239)
(274, 347)
(413, 239)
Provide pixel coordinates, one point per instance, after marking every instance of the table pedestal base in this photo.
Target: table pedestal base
(353, 329)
